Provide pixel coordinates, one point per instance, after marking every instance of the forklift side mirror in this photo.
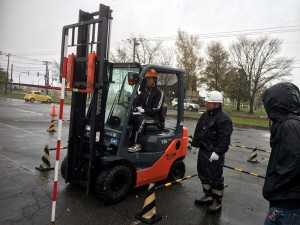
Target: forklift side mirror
(133, 78)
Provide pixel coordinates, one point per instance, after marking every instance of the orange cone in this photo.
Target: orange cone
(53, 113)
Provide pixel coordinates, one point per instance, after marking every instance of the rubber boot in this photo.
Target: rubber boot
(216, 205)
(207, 198)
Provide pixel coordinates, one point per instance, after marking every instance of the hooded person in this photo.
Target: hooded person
(282, 182)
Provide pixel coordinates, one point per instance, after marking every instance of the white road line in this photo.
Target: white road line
(26, 131)
(18, 165)
(21, 110)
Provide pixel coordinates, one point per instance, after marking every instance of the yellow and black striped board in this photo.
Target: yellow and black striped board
(175, 181)
(243, 171)
(241, 146)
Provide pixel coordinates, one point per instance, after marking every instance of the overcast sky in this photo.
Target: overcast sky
(32, 28)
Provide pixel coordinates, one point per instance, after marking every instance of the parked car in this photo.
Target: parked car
(188, 105)
(37, 96)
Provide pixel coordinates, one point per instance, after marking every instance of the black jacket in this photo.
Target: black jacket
(151, 100)
(213, 132)
(282, 183)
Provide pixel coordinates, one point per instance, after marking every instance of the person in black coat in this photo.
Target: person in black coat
(149, 104)
(282, 182)
(212, 137)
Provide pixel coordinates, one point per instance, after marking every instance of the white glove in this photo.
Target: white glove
(140, 109)
(214, 157)
(194, 150)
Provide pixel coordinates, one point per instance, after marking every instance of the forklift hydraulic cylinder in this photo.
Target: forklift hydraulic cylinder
(91, 71)
(70, 70)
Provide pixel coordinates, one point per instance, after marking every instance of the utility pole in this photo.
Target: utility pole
(47, 76)
(7, 75)
(11, 80)
(135, 43)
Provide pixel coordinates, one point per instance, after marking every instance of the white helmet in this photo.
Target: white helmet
(214, 96)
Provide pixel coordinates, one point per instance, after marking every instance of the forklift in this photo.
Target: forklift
(102, 104)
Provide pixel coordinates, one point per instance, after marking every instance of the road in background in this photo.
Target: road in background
(26, 193)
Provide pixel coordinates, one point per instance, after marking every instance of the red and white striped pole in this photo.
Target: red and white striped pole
(58, 143)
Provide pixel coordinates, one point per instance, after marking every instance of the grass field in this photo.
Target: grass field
(242, 118)
(239, 118)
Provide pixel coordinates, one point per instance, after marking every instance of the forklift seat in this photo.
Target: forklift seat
(157, 124)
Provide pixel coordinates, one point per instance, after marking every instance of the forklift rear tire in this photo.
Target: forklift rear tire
(177, 170)
(63, 167)
(113, 184)
(63, 170)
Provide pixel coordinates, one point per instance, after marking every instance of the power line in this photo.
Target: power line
(22, 62)
(270, 30)
(55, 52)
(224, 34)
(26, 58)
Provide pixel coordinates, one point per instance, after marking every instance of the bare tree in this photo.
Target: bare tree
(217, 67)
(188, 58)
(137, 49)
(147, 51)
(260, 60)
(236, 87)
(166, 56)
(55, 69)
(122, 54)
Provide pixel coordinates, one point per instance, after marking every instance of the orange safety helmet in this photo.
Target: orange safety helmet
(151, 73)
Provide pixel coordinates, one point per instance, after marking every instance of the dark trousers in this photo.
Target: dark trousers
(283, 216)
(211, 173)
(138, 121)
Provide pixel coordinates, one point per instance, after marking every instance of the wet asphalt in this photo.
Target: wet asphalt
(26, 194)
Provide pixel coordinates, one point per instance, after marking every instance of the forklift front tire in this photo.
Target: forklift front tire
(113, 184)
(63, 167)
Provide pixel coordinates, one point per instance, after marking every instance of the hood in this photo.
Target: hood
(281, 100)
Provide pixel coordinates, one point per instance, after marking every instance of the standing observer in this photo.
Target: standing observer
(282, 183)
(212, 137)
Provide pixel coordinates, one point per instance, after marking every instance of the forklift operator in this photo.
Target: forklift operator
(149, 105)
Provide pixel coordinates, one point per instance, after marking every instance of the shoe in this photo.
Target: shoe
(205, 200)
(215, 207)
(135, 148)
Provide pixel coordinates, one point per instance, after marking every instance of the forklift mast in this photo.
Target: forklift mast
(88, 75)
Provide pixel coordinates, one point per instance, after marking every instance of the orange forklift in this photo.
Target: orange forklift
(102, 104)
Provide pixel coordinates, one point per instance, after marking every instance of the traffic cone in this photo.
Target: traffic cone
(148, 214)
(51, 127)
(45, 161)
(253, 157)
(53, 113)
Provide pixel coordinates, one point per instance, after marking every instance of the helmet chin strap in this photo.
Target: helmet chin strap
(216, 105)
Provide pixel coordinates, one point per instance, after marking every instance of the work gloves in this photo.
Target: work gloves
(194, 150)
(214, 157)
(140, 109)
